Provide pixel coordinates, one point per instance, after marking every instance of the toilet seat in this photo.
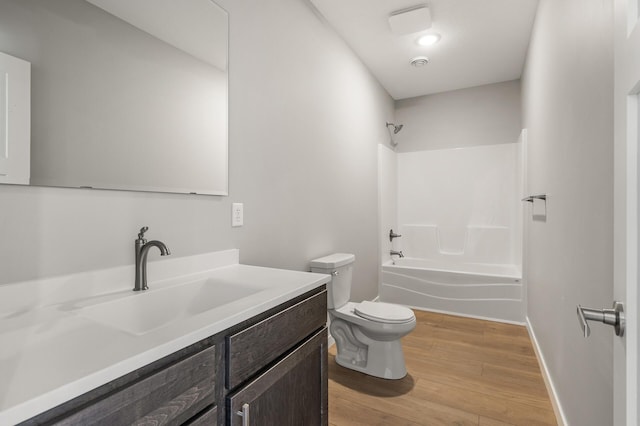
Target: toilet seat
(384, 312)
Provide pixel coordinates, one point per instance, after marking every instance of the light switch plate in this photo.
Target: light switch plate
(237, 214)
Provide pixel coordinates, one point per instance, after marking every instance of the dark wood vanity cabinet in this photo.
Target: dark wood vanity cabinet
(293, 389)
(292, 392)
(174, 390)
(268, 370)
(208, 417)
(253, 347)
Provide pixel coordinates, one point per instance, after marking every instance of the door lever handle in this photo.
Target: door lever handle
(614, 317)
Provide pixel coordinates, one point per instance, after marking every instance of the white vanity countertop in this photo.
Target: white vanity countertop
(50, 352)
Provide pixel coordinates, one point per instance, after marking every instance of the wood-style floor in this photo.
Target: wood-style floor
(461, 371)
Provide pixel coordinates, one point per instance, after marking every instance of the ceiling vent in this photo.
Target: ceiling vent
(419, 61)
(411, 20)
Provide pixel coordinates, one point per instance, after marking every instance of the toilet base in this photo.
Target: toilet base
(376, 369)
(358, 352)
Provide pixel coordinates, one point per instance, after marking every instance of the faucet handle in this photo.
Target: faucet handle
(142, 231)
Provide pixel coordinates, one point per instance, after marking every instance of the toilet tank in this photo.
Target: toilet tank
(340, 267)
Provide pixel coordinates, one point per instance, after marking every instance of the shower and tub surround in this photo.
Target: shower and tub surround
(367, 334)
(477, 290)
(460, 215)
(453, 245)
(463, 202)
(464, 271)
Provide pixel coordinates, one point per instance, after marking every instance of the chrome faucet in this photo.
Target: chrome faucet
(142, 251)
(396, 253)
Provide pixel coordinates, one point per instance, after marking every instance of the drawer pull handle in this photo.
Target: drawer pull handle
(244, 414)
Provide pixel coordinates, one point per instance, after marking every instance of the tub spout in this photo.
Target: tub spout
(396, 253)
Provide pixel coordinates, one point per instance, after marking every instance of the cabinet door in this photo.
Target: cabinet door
(292, 392)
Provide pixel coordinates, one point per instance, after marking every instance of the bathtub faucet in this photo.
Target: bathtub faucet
(396, 253)
(393, 235)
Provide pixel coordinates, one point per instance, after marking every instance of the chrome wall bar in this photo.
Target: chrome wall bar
(530, 198)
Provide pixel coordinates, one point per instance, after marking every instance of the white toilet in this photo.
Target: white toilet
(367, 334)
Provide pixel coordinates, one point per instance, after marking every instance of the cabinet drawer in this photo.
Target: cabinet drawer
(208, 418)
(170, 396)
(253, 348)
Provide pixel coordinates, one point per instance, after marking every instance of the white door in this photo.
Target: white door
(626, 197)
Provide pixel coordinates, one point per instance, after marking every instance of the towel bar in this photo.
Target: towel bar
(530, 198)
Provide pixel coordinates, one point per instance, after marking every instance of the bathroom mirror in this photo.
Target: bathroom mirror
(127, 95)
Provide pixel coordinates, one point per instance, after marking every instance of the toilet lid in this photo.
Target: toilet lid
(384, 312)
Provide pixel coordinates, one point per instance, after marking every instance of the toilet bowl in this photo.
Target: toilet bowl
(367, 334)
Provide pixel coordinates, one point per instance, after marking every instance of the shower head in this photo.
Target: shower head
(396, 129)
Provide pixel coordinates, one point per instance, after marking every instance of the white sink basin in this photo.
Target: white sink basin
(142, 312)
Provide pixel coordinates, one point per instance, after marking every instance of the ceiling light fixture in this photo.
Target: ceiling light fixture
(419, 61)
(429, 39)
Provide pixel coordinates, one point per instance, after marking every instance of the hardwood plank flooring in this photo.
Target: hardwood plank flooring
(461, 371)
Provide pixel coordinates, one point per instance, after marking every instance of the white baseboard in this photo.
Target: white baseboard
(548, 381)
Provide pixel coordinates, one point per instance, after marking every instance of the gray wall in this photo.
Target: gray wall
(305, 121)
(483, 115)
(567, 105)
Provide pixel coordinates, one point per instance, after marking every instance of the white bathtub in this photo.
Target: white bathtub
(478, 290)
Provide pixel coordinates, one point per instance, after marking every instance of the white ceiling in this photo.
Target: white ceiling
(482, 42)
